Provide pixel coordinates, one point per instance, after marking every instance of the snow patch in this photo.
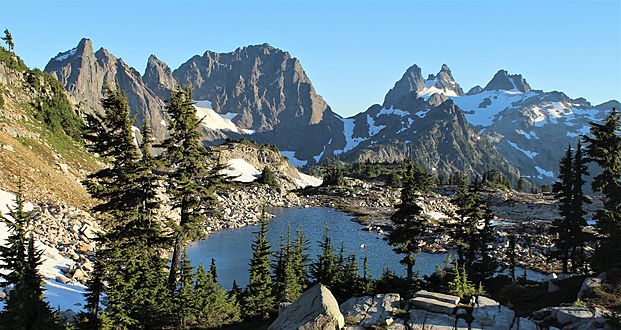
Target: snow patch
(306, 180)
(65, 55)
(373, 129)
(394, 112)
(529, 154)
(240, 170)
(350, 141)
(544, 172)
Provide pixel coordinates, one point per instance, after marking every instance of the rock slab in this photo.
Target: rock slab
(315, 309)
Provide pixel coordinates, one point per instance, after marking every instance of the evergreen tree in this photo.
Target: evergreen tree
(578, 199)
(604, 148)
(422, 180)
(213, 307)
(300, 259)
(185, 299)
(564, 191)
(192, 178)
(213, 272)
(259, 301)
(8, 39)
(366, 281)
(410, 223)
(25, 307)
(322, 270)
(268, 177)
(128, 256)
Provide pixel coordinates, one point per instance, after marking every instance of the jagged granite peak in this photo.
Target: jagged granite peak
(84, 74)
(158, 77)
(475, 90)
(411, 81)
(444, 81)
(502, 80)
(267, 91)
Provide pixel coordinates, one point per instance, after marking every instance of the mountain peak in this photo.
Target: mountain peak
(411, 81)
(502, 80)
(158, 77)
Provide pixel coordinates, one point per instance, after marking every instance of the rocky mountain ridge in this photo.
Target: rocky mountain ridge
(262, 93)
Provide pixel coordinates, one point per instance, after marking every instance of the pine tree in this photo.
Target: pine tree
(300, 259)
(322, 270)
(213, 307)
(213, 272)
(8, 39)
(367, 278)
(409, 221)
(604, 148)
(564, 191)
(185, 299)
(268, 177)
(25, 307)
(128, 256)
(192, 176)
(578, 199)
(259, 301)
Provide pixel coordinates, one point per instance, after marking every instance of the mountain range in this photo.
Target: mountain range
(262, 93)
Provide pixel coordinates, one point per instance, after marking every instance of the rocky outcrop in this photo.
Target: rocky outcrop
(267, 91)
(411, 81)
(158, 77)
(84, 74)
(315, 309)
(370, 311)
(503, 81)
(435, 302)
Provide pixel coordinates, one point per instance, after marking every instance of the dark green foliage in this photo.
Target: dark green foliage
(1, 99)
(128, 258)
(394, 179)
(333, 175)
(287, 284)
(259, 301)
(8, 39)
(495, 180)
(410, 223)
(422, 179)
(322, 270)
(569, 229)
(25, 307)
(184, 293)
(11, 60)
(300, 259)
(604, 148)
(460, 285)
(268, 177)
(472, 232)
(213, 306)
(53, 108)
(192, 180)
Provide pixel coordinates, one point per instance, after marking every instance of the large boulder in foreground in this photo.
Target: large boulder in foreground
(316, 309)
(367, 311)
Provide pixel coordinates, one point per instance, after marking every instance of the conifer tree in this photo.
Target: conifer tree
(259, 302)
(564, 190)
(213, 307)
(578, 199)
(300, 259)
(8, 39)
(366, 281)
(25, 307)
(604, 148)
(128, 257)
(185, 299)
(213, 272)
(323, 269)
(409, 221)
(192, 176)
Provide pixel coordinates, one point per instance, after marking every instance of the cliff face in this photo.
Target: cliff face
(84, 74)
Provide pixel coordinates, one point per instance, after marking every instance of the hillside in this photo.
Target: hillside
(40, 137)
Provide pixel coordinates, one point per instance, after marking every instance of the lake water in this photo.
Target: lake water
(232, 252)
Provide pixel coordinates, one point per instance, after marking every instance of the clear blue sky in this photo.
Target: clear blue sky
(353, 51)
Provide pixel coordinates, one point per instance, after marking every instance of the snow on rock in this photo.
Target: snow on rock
(373, 129)
(306, 180)
(544, 172)
(391, 111)
(529, 154)
(63, 296)
(350, 141)
(65, 55)
(212, 120)
(292, 159)
(480, 109)
(240, 170)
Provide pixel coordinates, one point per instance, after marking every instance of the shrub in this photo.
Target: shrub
(11, 60)
(269, 178)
